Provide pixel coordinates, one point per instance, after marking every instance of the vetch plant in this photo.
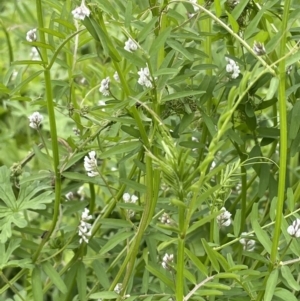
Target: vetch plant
(90, 164)
(177, 141)
(81, 12)
(104, 88)
(294, 228)
(31, 35)
(35, 120)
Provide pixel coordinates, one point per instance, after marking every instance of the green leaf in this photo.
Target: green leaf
(26, 81)
(144, 33)
(159, 41)
(272, 88)
(81, 281)
(121, 149)
(114, 241)
(288, 276)
(181, 49)
(211, 255)
(209, 123)
(237, 222)
(133, 184)
(201, 267)
(261, 235)
(156, 272)
(177, 95)
(295, 121)
(271, 285)
(290, 199)
(128, 13)
(101, 274)
(239, 9)
(53, 32)
(54, 276)
(234, 24)
(104, 295)
(284, 294)
(36, 282)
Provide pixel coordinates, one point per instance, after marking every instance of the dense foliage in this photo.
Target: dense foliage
(149, 150)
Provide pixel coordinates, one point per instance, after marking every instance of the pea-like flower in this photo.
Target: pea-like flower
(144, 79)
(294, 228)
(165, 219)
(130, 45)
(232, 68)
(31, 35)
(84, 228)
(259, 48)
(224, 218)
(35, 120)
(167, 260)
(118, 288)
(104, 88)
(248, 244)
(81, 11)
(90, 164)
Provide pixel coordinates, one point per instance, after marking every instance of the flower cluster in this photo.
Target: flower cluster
(118, 288)
(127, 198)
(294, 228)
(165, 219)
(84, 228)
(102, 104)
(69, 196)
(130, 45)
(81, 11)
(90, 164)
(35, 120)
(104, 88)
(31, 35)
(144, 79)
(232, 68)
(259, 48)
(167, 260)
(196, 7)
(248, 244)
(81, 193)
(224, 219)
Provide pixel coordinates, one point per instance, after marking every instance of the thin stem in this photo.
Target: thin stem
(283, 135)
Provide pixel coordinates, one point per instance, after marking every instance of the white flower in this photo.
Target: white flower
(144, 79)
(81, 11)
(76, 131)
(31, 35)
(259, 48)
(223, 218)
(294, 228)
(102, 104)
(118, 288)
(232, 67)
(84, 228)
(130, 45)
(196, 8)
(134, 198)
(81, 193)
(167, 259)
(34, 54)
(126, 197)
(104, 88)
(116, 77)
(35, 120)
(69, 196)
(90, 164)
(165, 219)
(248, 244)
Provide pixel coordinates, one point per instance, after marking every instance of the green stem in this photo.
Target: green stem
(283, 134)
(53, 133)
